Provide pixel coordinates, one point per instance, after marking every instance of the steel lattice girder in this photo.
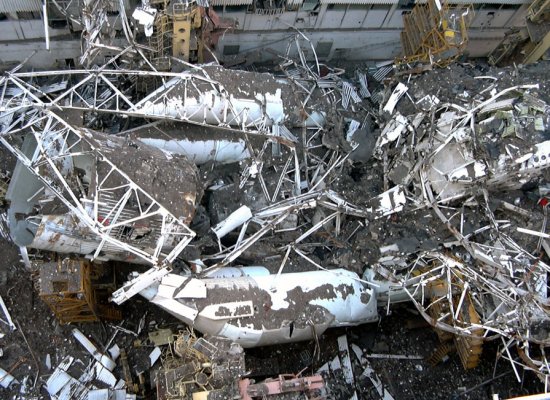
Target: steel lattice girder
(112, 200)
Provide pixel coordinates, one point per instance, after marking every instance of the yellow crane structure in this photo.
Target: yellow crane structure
(435, 33)
(186, 20)
(177, 33)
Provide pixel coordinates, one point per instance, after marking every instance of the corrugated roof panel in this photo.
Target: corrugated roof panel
(451, 2)
(114, 5)
(365, 2)
(230, 2)
(489, 1)
(9, 6)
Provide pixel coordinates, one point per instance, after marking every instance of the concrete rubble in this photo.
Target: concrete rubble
(268, 208)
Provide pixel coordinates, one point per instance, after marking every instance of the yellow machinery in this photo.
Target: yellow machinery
(77, 291)
(435, 33)
(537, 30)
(469, 348)
(186, 18)
(175, 33)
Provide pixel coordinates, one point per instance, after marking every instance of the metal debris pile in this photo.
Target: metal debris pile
(265, 208)
(472, 167)
(214, 369)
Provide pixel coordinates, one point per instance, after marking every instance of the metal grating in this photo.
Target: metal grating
(230, 2)
(10, 6)
(365, 2)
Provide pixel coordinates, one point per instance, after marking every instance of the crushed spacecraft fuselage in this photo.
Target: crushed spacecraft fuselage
(285, 142)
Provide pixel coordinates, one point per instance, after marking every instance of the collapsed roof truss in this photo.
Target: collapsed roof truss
(96, 90)
(111, 201)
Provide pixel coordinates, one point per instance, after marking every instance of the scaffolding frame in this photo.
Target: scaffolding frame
(80, 305)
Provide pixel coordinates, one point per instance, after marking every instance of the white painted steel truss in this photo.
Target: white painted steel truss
(99, 91)
(111, 206)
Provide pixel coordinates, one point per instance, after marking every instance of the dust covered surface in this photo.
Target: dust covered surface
(46, 337)
(405, 333)
(360, 242)
(157, 173)
(405, 379)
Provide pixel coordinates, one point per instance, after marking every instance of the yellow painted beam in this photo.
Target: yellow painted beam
(539, 50)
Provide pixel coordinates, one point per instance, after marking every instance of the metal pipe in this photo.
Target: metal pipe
(46, 28)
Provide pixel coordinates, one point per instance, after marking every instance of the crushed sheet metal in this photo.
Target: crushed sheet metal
(59, 378)
(369, 373)
(347, 368)
(105, 360)
(62, 386)
(390, 202)
(104, 375)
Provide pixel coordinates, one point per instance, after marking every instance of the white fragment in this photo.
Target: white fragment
(154, 356)
(391, 201)
(392, 131)
(114, 351)
(233, 221)
(369, 373)
(146, 17)
(345, 358)
(398, 92)
(353, 126)
(7, 314)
